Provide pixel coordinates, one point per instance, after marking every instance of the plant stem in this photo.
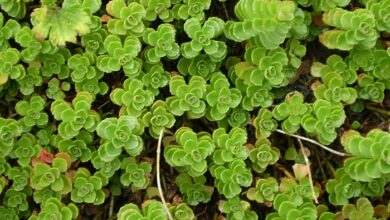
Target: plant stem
(284, 170)
(313, 142)
(379, 110)
(309, 169)
(158, 175)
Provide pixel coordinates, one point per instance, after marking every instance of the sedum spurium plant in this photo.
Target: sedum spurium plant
(75, 117)
(151, 209)
(87, 188)
(136, 174)
(188, 98)
(190, 151)
(229, 146)
(237, 209)
(119, 134)
(133, 97)
(202, 38)
(194, 189)
(88, 86)
(323, 120)
(127, 18)
(369, 155)
(52, 177)
(54, 209)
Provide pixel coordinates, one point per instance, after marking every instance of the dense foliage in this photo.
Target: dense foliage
(266, 109)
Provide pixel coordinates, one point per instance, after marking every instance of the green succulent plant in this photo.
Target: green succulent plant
(220, 97)
(161, 43)
(255, 96)
(53, 208)
(77, 148)
(262, 155)
(82, 67)
(136, 174)
(10, 68)
(8, 28)
(76, 116)
(9, 130)
(158, 118)
(380, 10)
(106, 169)
(229, 179)
(323, 5)
(94, 42)
(202, 38)
(266, 21)
(61, 24)
(334, 90)
(4, 166)
(53, 177)
(369, 155)
(194, 189)
(324, 120)
(381, 58)
(371, 89)
(190, 151)
(187, 97)
(8, 213)
(362, 210)
(229, 146)
(44, 135)
(119, 134)
(342, 188)
(374, 188)
(93, 86)
(155, 78)
(133, 97)
(237, 209)
(191, 9)
(127, 18)
(237, 117)
(289, 209)
(55, 64)
(151, 209)
(16, 199)
(182, 212)
(30, 80)
(158, 9)
(291, 111)
(295, 52)
(264, 123)
(25, 148)
(16, 9)
(264, 66)
(41, 196)
(19, 176)
(32, 46)
(121, 54)
(87, 188)
(265, 190)
(356, 31)
(201, 65)
(32, 112)
(362, 59)
(56, 89)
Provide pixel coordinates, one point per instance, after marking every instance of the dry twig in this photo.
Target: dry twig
(309, 171)
(158, 175)
(313, 142)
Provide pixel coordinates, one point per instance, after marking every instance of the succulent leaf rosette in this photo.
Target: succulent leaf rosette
(119, 134)
(190, 151)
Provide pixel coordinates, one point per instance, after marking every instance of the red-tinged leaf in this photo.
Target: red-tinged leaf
(46, 156)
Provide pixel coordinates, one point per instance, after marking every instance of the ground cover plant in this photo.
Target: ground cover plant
(194, 109)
